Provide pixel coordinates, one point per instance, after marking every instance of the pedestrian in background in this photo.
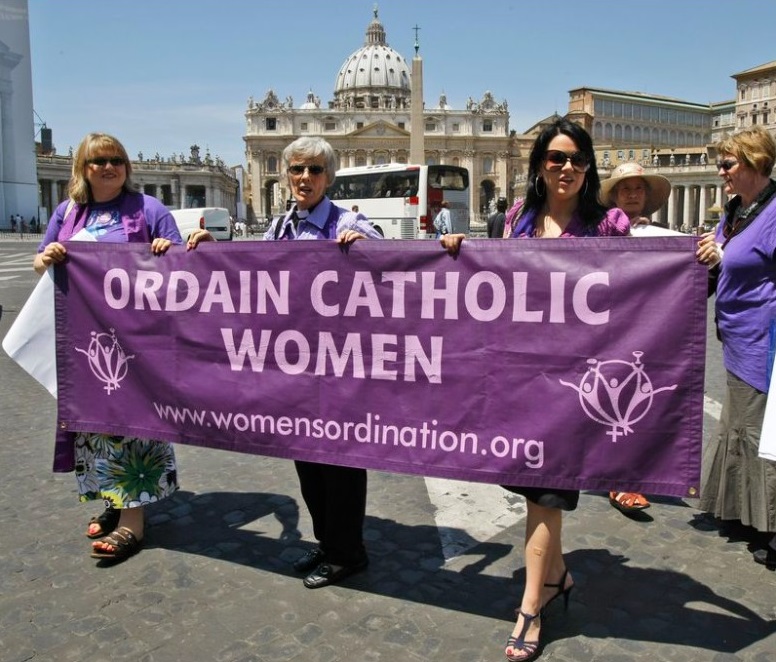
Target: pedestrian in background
(561, 201)
(496, 220)
(334, 495)
(736, 484)
(442, 222)
(126, 473)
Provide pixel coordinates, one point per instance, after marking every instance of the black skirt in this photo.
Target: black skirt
(546, 497)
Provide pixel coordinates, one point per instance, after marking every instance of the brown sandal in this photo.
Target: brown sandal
(124, 543)
(628, 502)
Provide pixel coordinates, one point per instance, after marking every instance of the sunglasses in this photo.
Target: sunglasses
(102, 161)
(727, 164)
(312, 169)
(555, 160)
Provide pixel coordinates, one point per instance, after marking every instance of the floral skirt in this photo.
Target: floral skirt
(125, 472)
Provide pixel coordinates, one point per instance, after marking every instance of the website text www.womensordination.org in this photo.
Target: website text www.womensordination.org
(369, 430)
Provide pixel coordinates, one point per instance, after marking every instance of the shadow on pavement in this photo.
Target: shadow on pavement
(662, 606)
(611, 599)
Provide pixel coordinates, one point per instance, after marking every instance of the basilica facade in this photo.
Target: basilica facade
(368, 121)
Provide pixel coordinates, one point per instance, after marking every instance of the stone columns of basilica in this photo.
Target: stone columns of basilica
(54, 196)
(703, 205)
(687, 209)
(695, 201)
(672, 208)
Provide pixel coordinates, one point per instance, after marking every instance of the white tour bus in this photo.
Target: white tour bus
(400, 200)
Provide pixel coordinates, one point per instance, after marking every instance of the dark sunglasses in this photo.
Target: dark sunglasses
(312, 169)
(102, 161)
(727, 164)
(556, 159)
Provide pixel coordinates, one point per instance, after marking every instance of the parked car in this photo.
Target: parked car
(215, 220)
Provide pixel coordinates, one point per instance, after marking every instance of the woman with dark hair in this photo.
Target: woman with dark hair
(548, 162)
(561, 201)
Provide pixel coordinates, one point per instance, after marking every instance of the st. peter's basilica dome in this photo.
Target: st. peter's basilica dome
(375, 76)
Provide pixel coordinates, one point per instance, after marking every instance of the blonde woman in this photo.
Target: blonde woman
(126, 473)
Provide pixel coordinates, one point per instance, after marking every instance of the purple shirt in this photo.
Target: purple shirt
(746, 298)
(314, 225)
(116, 220)
(615, 223)
(129, 217)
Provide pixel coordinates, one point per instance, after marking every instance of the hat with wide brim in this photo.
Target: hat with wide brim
(658, 187)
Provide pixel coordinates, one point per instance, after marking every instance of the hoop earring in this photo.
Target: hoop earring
(536, 187)
(584, 193)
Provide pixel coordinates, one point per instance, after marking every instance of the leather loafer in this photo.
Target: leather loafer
(310, 560)
(327, 573)
(766, 557)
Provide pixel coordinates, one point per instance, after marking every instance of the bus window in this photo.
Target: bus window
(398, 198)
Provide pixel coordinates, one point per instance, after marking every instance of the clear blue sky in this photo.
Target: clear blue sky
(164, 74)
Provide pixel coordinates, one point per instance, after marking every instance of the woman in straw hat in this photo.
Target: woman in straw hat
(638, 194)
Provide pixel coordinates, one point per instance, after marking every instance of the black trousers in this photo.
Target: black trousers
(336, 499)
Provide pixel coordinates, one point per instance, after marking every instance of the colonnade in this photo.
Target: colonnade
(691, 205)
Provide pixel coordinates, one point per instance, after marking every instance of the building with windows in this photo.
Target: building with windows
(675, 138)
(368, 121)
(756, 96)
(178, 181)
(632, 126)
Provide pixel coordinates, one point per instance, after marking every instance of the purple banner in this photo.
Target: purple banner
(571, 364)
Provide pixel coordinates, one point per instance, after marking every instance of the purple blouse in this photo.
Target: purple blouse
(615, 223)
(133, 217)
(746, 298)
(314, 226)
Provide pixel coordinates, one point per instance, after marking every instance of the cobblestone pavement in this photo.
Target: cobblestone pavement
(215, 580)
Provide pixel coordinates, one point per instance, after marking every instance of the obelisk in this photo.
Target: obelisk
(417, 126)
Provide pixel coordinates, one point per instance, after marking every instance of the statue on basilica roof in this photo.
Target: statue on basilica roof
(270, 102)
(487, 102)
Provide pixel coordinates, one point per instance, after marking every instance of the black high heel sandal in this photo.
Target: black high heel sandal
(529, 649)
(565, 592)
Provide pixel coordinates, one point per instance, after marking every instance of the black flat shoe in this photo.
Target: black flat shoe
(310, 560)
(328, 573)
(766, 557)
